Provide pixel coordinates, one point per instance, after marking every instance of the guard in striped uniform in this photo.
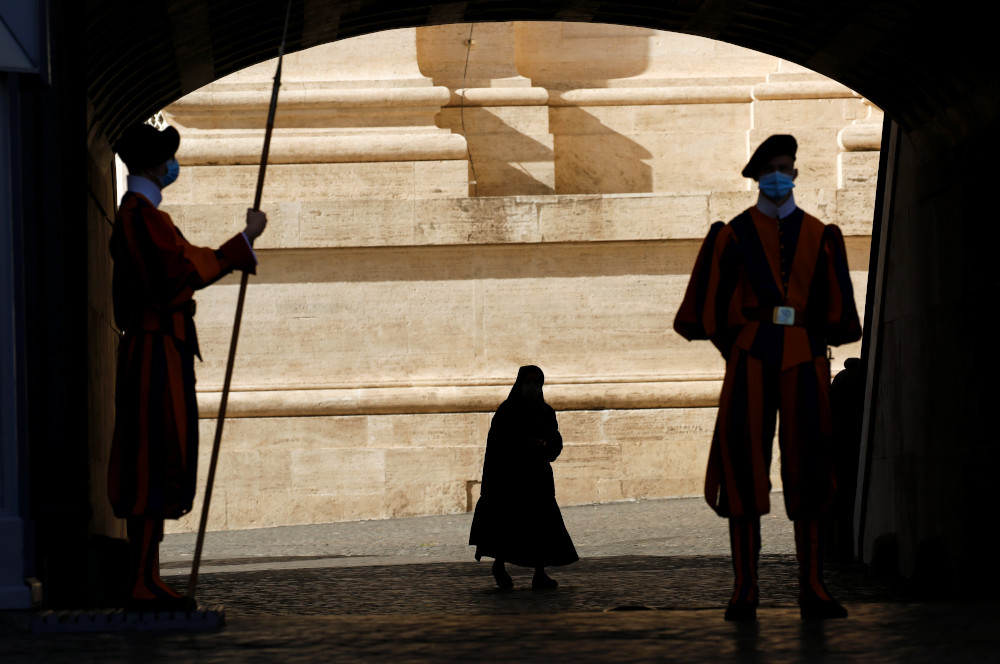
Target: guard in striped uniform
(154, 453)
(771, 289)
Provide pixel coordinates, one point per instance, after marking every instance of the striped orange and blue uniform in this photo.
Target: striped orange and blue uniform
(751, 265)
(154, 451)
(743, 271)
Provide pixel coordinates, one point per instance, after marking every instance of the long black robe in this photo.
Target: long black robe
(517, 519)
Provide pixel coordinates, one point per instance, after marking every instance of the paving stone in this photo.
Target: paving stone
(650, 587)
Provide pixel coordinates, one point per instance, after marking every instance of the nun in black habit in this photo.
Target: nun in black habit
(517, 519)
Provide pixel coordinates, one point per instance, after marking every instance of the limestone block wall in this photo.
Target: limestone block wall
(449, 203)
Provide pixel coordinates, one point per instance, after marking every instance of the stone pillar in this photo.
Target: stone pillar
(14, 594)
(857, 167)
(629, 123)
(502, 116)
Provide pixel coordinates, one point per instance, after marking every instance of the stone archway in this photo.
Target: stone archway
(931, 386)
(395, 300)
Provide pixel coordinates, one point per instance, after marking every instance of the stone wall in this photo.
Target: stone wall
(449, 203)
(926, 495)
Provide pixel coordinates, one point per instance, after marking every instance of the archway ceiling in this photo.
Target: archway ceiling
(930, 67)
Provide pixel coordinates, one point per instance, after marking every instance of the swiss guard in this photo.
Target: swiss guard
(154, 453)
(771, 290)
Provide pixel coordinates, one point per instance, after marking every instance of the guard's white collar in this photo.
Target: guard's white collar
(767, 206)
(141, 185)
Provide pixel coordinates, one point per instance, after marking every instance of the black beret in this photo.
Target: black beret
(142, 146)
(773, 146)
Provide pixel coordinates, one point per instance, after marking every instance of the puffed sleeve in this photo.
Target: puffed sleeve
(841, 322)
(704, 312)
(173, 268)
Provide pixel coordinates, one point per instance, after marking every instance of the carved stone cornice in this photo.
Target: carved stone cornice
(326, 147)
(783, 90)
(444, 398)
(682, 94)
(223, 102)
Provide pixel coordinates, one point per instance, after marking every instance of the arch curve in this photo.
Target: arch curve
(927, 69)
(932, 388)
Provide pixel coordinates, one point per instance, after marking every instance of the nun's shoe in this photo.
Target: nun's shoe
(501, 576)
(543, 582)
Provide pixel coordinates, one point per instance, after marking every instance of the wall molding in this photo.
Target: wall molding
(445, 398)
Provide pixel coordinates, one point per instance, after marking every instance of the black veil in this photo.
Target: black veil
(522, 376)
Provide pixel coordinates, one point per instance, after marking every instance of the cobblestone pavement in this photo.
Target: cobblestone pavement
(651, 585)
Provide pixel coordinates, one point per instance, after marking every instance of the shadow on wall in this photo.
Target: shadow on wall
(595, 158)
(510, 144)
(589, 156)
(512, 156)
(444, 263)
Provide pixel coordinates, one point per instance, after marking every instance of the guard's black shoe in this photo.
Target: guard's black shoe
(741, 610)
(814, 607)
(543, 582)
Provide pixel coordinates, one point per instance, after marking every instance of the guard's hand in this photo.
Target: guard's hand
(256, 221)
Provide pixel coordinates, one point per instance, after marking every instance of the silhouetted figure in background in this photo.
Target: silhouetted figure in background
(517, 519)
(771, 289)
(847, 402)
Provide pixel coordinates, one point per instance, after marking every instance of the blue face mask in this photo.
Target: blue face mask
(776, 184)
(173, 170)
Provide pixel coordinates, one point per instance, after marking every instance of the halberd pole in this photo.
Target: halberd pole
(193, 581)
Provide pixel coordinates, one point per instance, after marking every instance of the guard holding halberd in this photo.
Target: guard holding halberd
(771, 289)
(154, 452)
